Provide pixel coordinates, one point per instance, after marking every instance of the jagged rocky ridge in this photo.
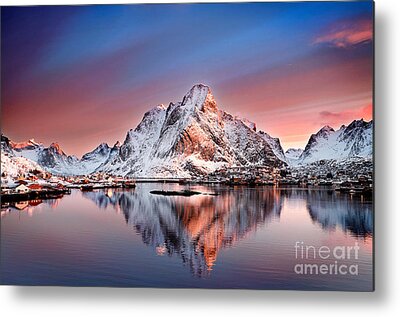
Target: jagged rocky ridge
(192, 138)
(53, 158)
(352, 141)
(12, 166)
(293, 154)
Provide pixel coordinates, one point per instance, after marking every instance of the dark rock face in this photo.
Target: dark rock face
(321, 134)
(248, 146)
(53, 156)
(102, 150)
(5, 144)
(274, 143)
(360, 133)
(293, 153)
(47, 158)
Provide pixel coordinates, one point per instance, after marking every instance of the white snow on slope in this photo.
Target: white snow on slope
(189, 137)
(354, 140)
(194, 137)
(292, 155)
(12, 166)
(54, 160)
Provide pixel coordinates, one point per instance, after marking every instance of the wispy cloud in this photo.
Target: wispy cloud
(344, 34)
(339, 118)
(330, 115)
(66, 71)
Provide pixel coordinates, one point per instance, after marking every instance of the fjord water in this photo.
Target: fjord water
(242, 238)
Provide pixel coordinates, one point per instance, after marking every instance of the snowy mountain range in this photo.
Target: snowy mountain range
(191, 137)
(11, 165)
(354, 140)
(194, 137)
(53, 159)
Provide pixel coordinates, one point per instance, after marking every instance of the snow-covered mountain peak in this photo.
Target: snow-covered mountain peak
(117, 145)
(358, 124)
(157, 109)
(250, 124)
(33, 142)
(161, 106)
(293, 153)
(274, 143)
(324, 131)
(354, 140)
(197, 91)
(101, 150)
(26, 144)
(148, 120)
(200, 97)
(191, 138)
(55, 147)
(102, 146)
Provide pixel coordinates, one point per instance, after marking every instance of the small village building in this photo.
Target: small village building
(21, 189)
(35, 187)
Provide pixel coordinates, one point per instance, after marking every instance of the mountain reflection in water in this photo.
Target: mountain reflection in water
(197, 228)
(194, 228)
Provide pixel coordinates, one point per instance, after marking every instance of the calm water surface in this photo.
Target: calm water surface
(242, 238)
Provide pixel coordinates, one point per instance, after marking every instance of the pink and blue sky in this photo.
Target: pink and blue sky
(82, 75)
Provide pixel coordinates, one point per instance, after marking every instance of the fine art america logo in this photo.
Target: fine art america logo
(324, 260)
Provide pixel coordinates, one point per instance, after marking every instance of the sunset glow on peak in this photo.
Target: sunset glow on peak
(93, 71)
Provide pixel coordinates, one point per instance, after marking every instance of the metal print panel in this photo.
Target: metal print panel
(188, 145)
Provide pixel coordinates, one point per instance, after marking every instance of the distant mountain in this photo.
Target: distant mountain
(275, 145)
(189, 138)
(101, 154)
(13, 166)
(292, 155)
(31, 144)
(54, 159)
(5, 145)
(352, 141)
